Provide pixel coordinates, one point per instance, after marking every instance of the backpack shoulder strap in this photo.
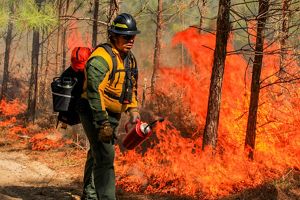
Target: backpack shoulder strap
(108, 49)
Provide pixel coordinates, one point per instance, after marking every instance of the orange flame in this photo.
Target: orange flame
(45, 140)
(14, 107)
(48, 139)
(76, 39)
(177, 165)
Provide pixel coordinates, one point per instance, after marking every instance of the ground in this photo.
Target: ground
(57, 175)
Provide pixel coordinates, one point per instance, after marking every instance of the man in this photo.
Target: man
(110, 88)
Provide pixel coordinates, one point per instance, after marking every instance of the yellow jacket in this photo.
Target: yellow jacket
(100, 91)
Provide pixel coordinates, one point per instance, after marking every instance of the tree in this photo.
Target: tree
(64, 37)
(201, 9)
(255, 83)
(157, 48)
(113, 10)
(8, 41)
(210, 134)
(35, 18)
(95, 24)
(284, 34)
(34, 70)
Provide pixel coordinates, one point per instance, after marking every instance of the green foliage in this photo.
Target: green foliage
(31, 17)
(4, 17)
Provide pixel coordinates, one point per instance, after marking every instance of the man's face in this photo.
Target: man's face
(124, 42)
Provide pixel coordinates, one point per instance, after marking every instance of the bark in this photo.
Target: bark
(41, 96)
(44, 87)
(157, 48)
(33, 84)
(212, 119)
(201, 10)
(8, 41)
(255, 83)
(284, 35)
(58, 37)
(64, 39)
(95, 25)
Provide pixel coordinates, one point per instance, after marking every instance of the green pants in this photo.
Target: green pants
(99, 174)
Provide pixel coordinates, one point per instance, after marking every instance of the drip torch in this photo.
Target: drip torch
(139, 133)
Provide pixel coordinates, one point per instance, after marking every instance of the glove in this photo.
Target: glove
(134, 115)
(105, 132)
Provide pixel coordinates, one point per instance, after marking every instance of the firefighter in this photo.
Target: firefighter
(110, 88)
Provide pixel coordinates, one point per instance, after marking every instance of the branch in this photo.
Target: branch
(69, 17)
(202, 29)
(280, 81)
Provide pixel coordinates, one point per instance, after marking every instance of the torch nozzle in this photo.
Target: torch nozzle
(160, 119)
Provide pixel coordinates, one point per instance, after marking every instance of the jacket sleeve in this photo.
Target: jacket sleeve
(97, 70)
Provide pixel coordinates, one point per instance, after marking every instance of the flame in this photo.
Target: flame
(178, 165)
(14, 131)
(8, 122)
(13, 107)
(48, 139)
(75, 38)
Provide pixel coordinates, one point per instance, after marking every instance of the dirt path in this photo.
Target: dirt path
(27, 179)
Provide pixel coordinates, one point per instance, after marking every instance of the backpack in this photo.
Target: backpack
(67, 88)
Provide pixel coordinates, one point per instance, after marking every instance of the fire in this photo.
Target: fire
(76, 39)
(178, 165)
(14, 107)
(48, 139)
(30, 135)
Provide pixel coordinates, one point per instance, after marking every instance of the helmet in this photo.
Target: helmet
(79, 57)
(124, 24)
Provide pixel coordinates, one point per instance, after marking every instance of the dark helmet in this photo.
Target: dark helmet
(124, 24)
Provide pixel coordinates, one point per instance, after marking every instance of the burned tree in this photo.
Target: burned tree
(212, 119)
(255, 83)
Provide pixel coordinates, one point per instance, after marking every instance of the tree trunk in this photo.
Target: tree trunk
(58, 37)
(201, 10)
(212, 119)
(157, 48)
(33, 84)
(44, 82)
(113, 11)
(284, 35)
(95, 25)
(42, 89)
(255, 83)
(8, 41)
(64, 40)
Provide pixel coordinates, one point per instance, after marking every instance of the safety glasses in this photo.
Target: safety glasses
(128, 37)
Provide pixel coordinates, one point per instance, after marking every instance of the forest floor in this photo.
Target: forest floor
(57, 175)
